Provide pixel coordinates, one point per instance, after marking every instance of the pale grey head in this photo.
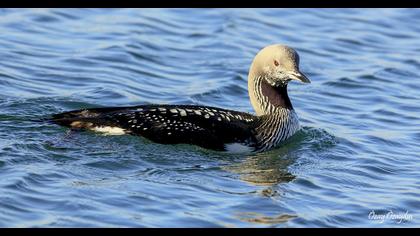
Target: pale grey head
(276, 65)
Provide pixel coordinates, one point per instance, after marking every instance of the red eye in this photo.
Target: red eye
(276, 63)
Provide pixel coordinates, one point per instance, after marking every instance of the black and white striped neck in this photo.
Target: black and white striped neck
(277, 118)
(267, 99)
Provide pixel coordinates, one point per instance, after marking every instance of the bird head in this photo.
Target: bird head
(278, 64)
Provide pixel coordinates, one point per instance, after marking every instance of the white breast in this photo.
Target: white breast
(238, 148)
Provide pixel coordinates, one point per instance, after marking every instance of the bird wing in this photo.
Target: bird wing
(205, 126)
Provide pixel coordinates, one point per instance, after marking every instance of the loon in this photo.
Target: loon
(211, 127)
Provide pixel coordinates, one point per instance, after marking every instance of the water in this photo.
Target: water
(357, 155)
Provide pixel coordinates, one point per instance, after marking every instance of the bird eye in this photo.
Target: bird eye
(276, 63)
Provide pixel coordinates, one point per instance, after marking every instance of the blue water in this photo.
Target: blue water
(356, 156)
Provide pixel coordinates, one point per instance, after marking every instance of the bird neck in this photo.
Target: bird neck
(266, 99)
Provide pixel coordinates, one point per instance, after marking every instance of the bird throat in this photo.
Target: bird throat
(277, 96)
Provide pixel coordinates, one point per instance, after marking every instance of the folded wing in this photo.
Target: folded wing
(208, 127)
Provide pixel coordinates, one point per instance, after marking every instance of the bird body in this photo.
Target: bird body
(210, 127)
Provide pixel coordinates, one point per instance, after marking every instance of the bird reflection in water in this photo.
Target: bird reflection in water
(266, 169)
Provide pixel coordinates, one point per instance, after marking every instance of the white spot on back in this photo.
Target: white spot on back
(173, 111)
(182, 112)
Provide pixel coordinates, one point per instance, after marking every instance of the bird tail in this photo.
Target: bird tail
(79, 119)
(83, 118)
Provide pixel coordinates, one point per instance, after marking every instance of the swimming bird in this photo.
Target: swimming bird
(211, 127)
